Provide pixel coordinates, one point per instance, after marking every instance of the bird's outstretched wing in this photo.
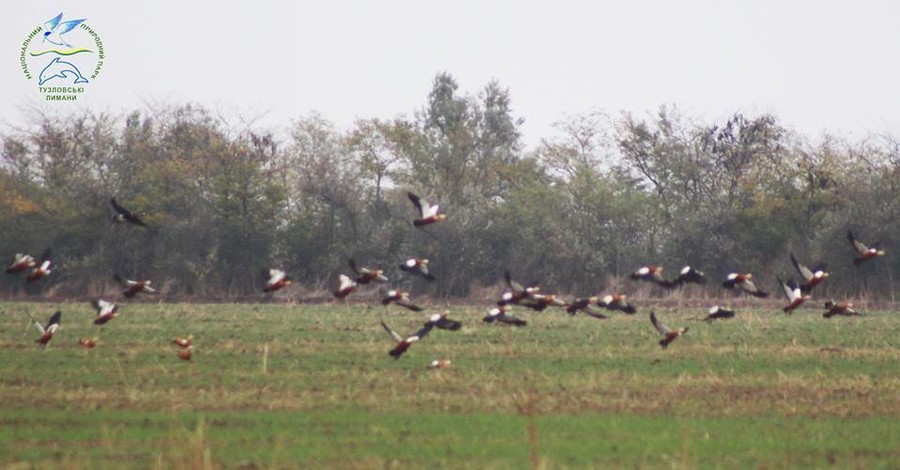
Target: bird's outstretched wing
(660, 327)
(391, 332)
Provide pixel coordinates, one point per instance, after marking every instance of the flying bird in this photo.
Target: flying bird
(441, 321)
(183, 343)
(669, 334)
(133, 288)
(743, 282)
(275, 279)
(439, 364)
(718, 313)
(365, 275)
(617, 302)
(417, 267)
(793, 293)
(428, 214)
(88, 343)
(844, 309)
(47, 331)
(42, 270)
(19, 263)
(125, 215)
(106, 311)
(689, 275)
(865, 253)
(186, 354)
(56, 28)
(345, 286)
(500, 315)
(652, 273)
(516, 292)
(400, 298)
(811, 277)
(584, 305)
(403, 343)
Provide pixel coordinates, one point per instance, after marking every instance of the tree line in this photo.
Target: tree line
(602, 196)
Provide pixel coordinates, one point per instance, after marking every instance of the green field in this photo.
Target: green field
(298, 386)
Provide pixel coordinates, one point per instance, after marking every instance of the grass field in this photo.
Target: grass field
(298, 386)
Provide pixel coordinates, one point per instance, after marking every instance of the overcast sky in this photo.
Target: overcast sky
(817, 65)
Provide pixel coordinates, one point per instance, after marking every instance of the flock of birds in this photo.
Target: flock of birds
(517, 294)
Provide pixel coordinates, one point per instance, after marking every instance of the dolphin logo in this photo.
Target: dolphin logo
(59, 69)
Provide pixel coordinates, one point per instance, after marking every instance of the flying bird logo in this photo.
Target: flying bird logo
(56, 28)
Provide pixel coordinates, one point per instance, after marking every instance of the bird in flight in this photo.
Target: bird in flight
(500, 315)
(403, 343)
(743, 282)
(133, 288)
(428, 214)
(652, 273)
(669, 334)
(125, 215)
(48, 330)
(688, 275)
(718, 313)
(865, 253)
(275, 279)
(417, 267)
(56, 28)
(42, 270)
(106, 311)
(811, 277)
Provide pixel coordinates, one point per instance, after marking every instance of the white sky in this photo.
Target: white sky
(817, 65)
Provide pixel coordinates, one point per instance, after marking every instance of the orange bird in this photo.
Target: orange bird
(652, 273)
(47, 331)
(345, 286)
(428, 214)
(811, 277)
(844, 309)
(669, 334)
(403, 343)
(106, 311)
(795, 296)
(499, 315)
(742, 281)
(865, 253)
